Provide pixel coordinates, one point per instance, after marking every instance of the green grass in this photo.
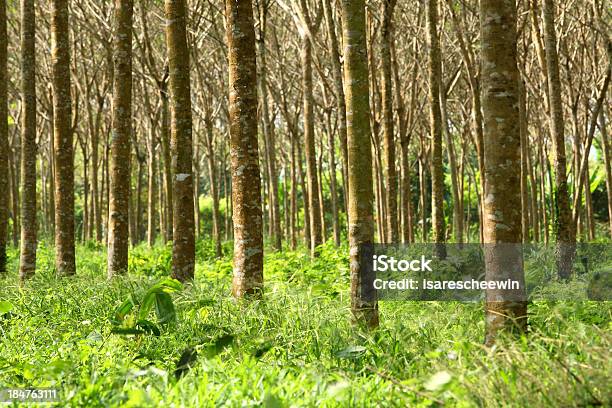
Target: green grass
(295, 347)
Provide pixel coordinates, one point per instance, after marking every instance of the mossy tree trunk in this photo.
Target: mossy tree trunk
(564, 226)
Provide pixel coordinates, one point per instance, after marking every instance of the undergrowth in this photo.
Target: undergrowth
(295, 347)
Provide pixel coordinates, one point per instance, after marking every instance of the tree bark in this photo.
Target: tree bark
(4, 145)
(605, 144)
(435, 123)
(268, 128)
(183, 232)
(246, 182)
(339, 90)
(503, 254)
(120, 175)
(152, 182)
(333, 185)
(457, 225)
(564, 230)
(165, 141)
(63, 138)
(212, 171)
(27, 260)
(388, 131)
(524, 153)
(364, 304)
(309, 143)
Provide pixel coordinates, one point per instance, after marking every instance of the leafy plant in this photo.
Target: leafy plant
(132, 317)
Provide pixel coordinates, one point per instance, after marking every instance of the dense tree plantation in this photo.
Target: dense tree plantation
(191, 191)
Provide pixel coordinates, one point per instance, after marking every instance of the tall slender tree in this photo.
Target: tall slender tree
(27, 261)
(4, 145)
(307, 30)
(63, 140)
(246, 183)
(118, 231)
(268, 124)
(435, 127)
(181, 140)
(339, 90)
(500, 81)
(564, 226)
(364, 304)
(387, 108)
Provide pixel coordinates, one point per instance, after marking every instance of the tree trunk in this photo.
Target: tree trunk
(457, 225)
(435, 123)
(214, 191)
(14, 188)
(120, 175)
(332, 179)
(152, 189)
(387, 111)
(524, 153)
(503, 254)
(268, 130)
(85, 223)
(565, 234)
(95, 192)
(339, 90)
(27, 260)
(294, 188)
(305, 195)
(474, 84)
(165, 139)
(533, 207)
(63, 137)
(183, 244)
(405, 136)
(139, 209)
(309, 142)
(364, 304)
(588, 204)
(423, 196)
(605, 144)
(246, 182)
(4, 145)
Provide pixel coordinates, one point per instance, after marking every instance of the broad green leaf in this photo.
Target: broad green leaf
(123, 309)
(168, 285)
(147, 305)
(5, 307)
(164, 308)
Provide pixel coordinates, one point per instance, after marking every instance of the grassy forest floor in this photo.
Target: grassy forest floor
(295, 347)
